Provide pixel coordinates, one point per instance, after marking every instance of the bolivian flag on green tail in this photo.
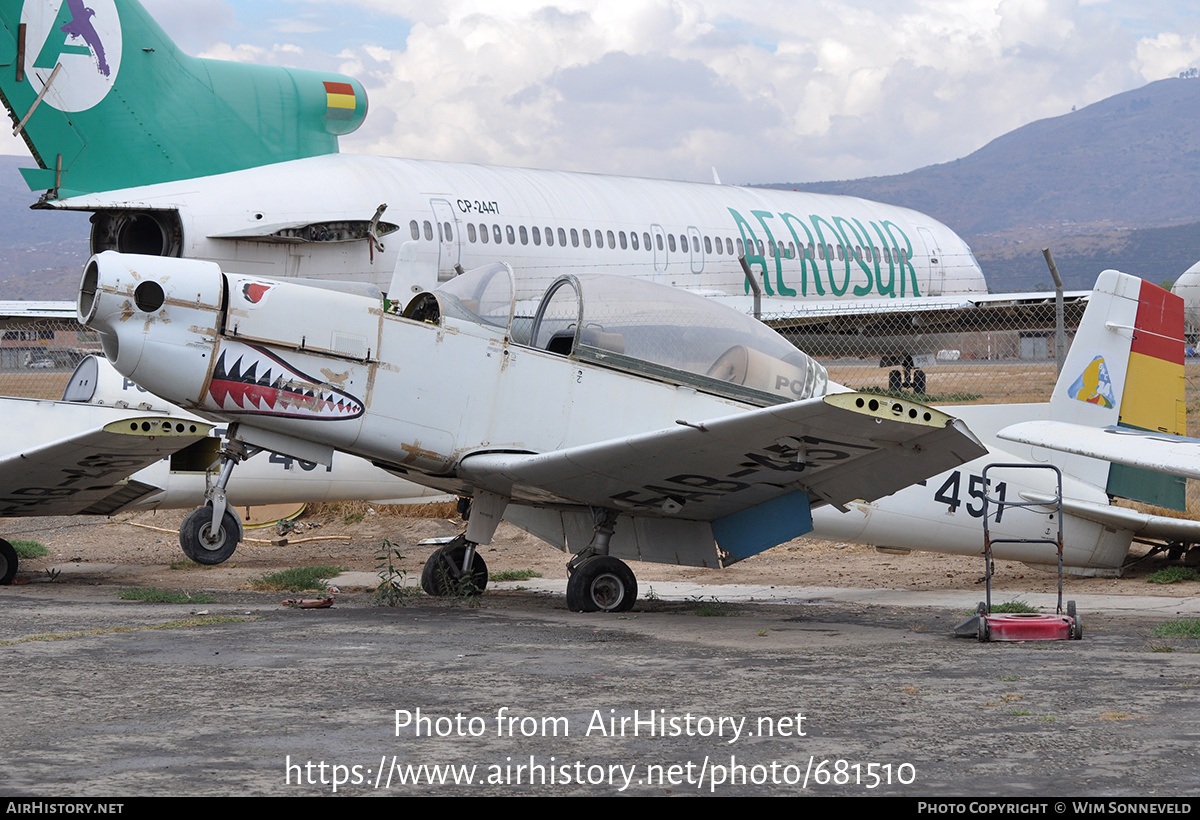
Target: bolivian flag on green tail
(1153, 396)
(340, 103)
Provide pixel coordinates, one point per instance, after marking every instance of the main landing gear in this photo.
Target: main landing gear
(598, 582)
(910, 380)
(210, 534)
(455, 569)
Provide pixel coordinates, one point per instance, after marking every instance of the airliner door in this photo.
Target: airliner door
(697, 250)
(659, 237)
(447, 231)
(937, 270)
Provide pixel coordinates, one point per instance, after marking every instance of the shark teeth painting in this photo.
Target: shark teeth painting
(249, 379)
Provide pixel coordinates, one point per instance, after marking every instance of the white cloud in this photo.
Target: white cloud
(775, 90)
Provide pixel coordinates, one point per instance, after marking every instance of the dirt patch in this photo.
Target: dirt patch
(356, 533)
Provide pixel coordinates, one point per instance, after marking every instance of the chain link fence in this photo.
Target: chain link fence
(38, 356)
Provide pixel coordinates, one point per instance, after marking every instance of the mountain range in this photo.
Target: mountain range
(1112, 185)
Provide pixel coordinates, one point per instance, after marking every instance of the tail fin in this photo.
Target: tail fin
(108, 101)
(1125, 368)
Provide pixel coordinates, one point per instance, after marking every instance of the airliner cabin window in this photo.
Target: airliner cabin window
(646, 238)
(708, 244)
(729, 246)
(537, 235)
(549, 236)
(587, 238)
(562, 237)
(624, 244)
(574, 238)
(512, 236)
(599, 239)
(415, 228)
(428, 231)
(524, 235)
(449, 232)
(497, 235)
(483, 233)
(471, 231)
(611, 240)
(633, 240)
(671, 242)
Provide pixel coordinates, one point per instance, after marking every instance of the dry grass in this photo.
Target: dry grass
(342, 510)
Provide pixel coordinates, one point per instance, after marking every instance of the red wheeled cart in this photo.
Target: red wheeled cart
(1023, 626)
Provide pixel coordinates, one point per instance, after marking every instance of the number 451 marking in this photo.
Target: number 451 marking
(949, 492)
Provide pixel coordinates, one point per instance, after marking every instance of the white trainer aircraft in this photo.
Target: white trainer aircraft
(728, 440)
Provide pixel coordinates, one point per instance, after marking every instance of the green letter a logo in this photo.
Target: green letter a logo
(56, 41)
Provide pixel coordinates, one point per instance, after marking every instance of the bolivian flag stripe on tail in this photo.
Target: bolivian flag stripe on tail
(339, 101)
(1153, 396)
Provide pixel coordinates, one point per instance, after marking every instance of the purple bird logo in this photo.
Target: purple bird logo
(80, 26)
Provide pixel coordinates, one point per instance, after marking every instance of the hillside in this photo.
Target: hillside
(41, 252)
(1086, 183)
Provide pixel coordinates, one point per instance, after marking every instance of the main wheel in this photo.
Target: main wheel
(8, 563)
(919, 382)
(601, 584)
(442, 574)
(195, 536)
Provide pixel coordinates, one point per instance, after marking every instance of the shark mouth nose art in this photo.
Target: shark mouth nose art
(250, 379)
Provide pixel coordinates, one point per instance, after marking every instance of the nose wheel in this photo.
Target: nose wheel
(601, 583)
(210, 534)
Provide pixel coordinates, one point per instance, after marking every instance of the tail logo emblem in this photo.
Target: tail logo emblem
(84, 37)
(1094, 385)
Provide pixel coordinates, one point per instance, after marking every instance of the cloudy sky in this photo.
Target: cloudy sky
(766, 91)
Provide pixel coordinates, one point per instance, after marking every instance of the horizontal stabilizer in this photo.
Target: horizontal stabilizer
(1160, 452)
(1142, 525)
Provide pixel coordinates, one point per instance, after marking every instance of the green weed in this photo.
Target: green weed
(1184, 628)
(297, 579)
(514, 575)
(29, 549)
(154, 595)
(1173, 575)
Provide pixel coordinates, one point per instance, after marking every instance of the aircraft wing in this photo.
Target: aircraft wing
(1162, 452)
(836, 449)
(820, 327)
(86, 471)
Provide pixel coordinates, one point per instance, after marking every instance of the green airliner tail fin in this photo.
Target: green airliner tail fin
(105, 100)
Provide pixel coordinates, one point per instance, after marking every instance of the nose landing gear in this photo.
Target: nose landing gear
(210, 534)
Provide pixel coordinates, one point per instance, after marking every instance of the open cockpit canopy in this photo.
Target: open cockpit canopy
(637, 326)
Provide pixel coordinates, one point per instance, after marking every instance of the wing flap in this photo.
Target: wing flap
(836, 449)
(88, 470)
